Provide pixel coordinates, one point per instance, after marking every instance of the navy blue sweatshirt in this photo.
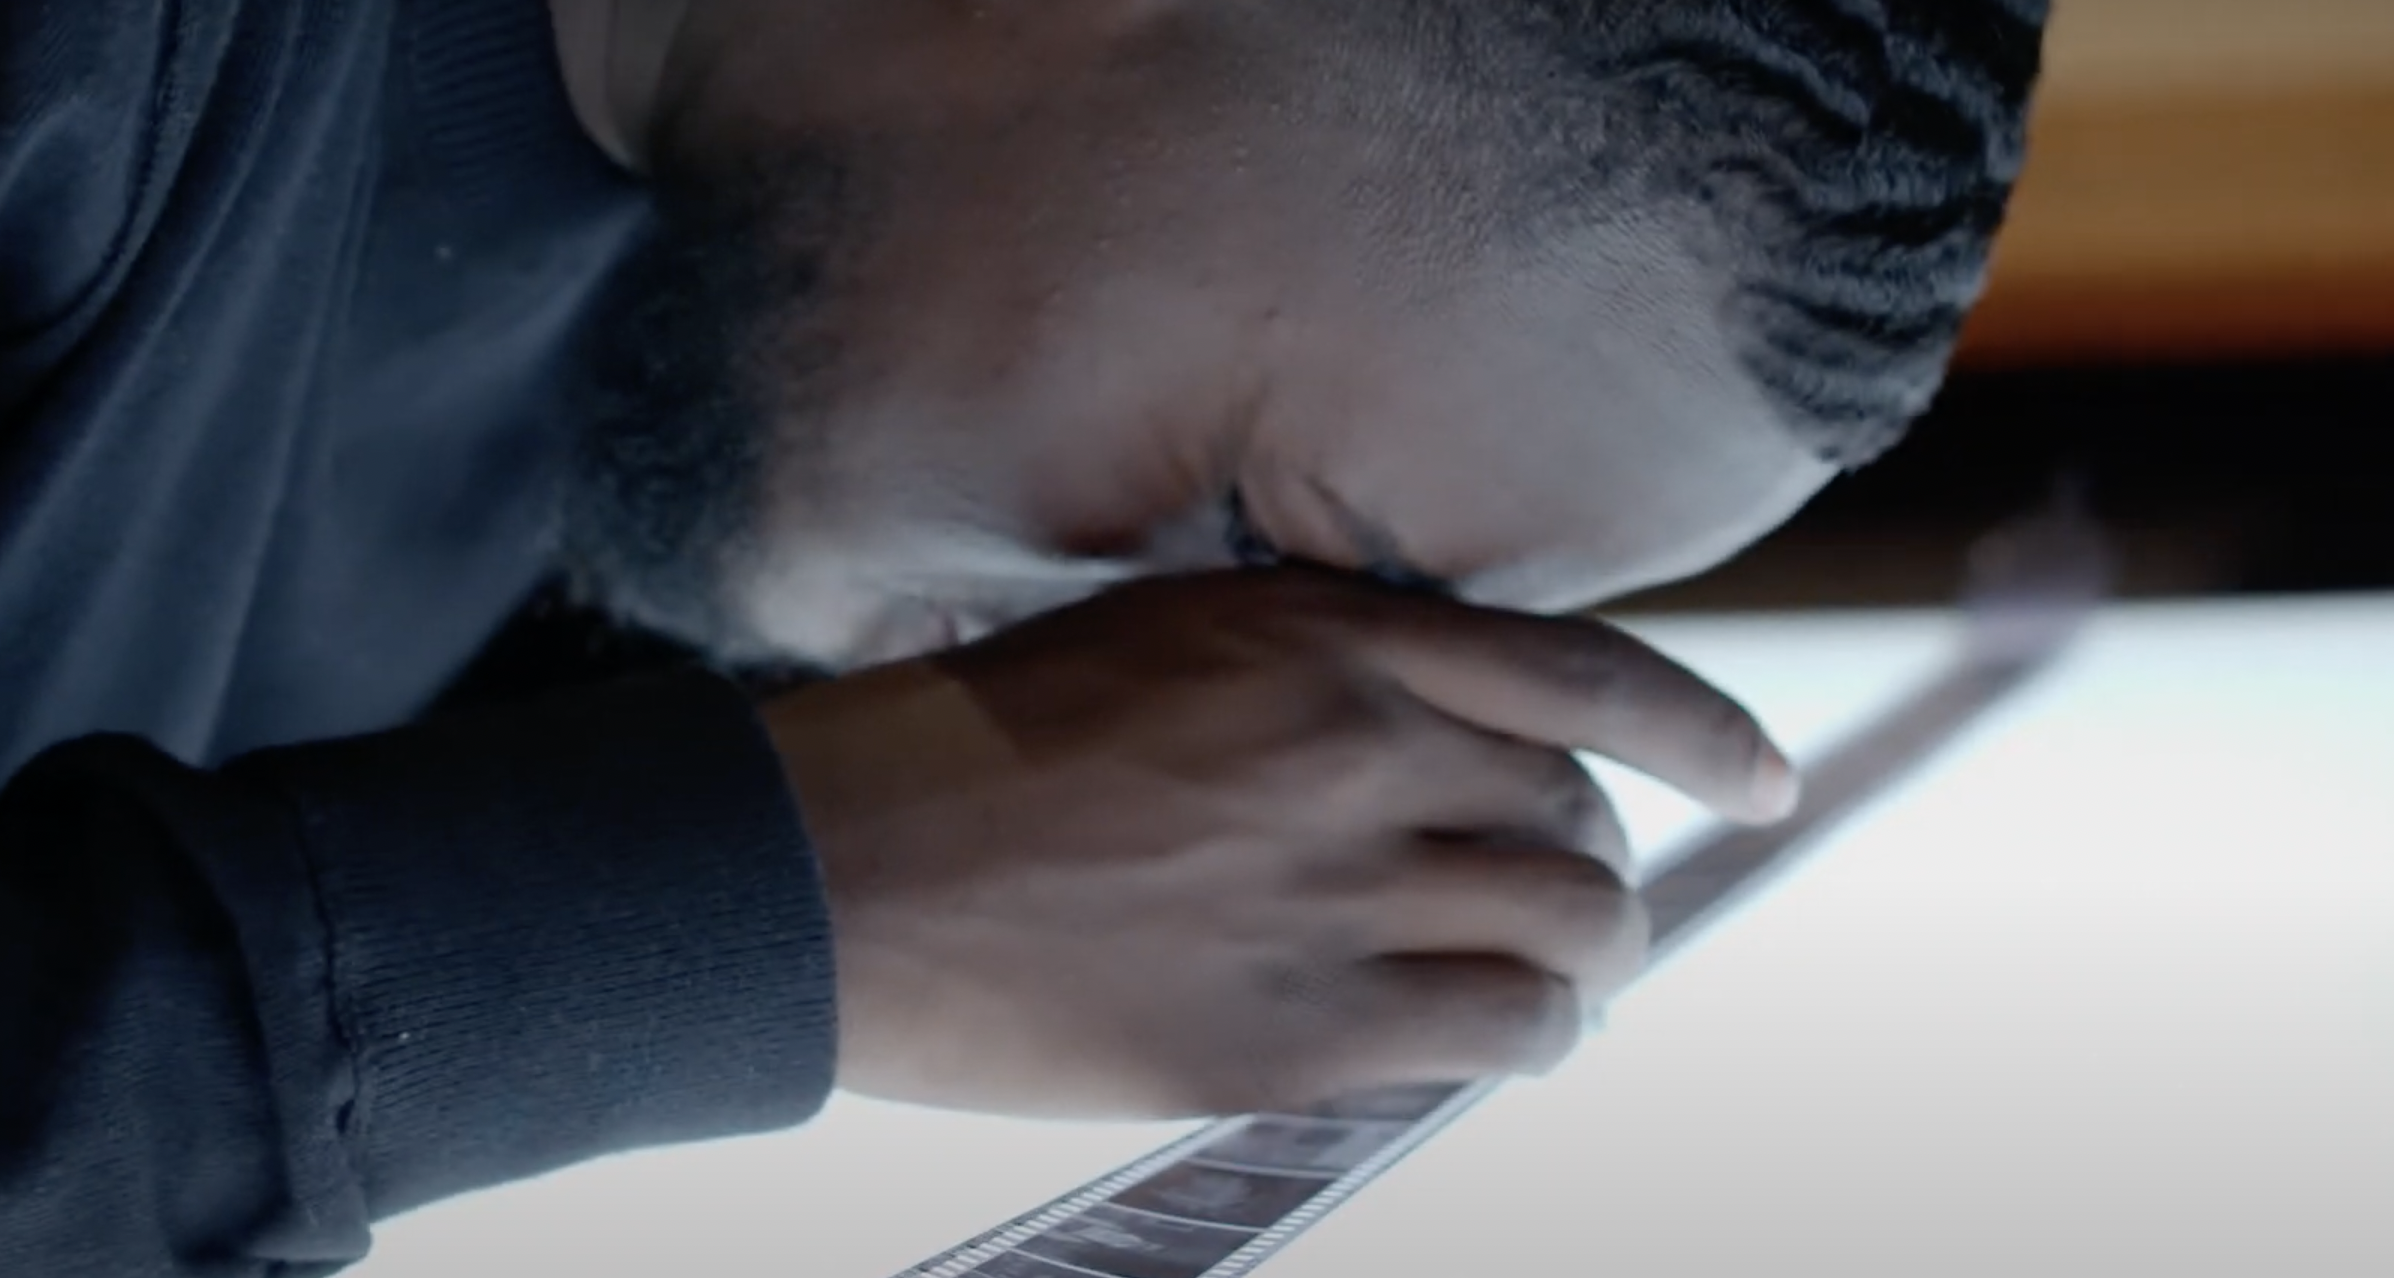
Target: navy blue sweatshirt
(292, 299)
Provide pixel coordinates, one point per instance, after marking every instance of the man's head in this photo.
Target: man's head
(961, 309)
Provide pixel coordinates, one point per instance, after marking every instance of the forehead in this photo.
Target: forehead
(1572, 419)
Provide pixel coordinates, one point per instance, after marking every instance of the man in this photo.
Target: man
(830, 335)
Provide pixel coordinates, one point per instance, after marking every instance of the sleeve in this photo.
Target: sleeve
(245, 1014)
(83, 86)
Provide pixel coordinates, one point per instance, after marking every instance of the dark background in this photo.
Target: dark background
(2214, 479)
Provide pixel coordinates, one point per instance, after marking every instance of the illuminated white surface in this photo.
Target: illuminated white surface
(2107, 990)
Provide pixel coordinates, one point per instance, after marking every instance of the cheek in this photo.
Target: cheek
(1077, 423)
(1105, 448)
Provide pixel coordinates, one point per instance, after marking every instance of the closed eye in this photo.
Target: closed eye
(1250, 548)
(1247, 545)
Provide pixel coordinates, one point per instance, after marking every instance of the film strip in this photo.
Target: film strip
(1223, 1201)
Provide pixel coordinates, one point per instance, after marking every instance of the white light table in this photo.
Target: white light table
(2107, 990)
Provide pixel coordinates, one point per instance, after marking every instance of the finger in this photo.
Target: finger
(1577, 684)
(1554, 909)
(1452, 1019)
(1466, 781)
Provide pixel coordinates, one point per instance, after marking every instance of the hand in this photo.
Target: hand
(1246, 841)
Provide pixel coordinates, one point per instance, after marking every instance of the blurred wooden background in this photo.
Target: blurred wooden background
(2210, 178)
(2193, 307)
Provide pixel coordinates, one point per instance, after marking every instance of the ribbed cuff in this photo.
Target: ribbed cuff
(491, 116)
(575, 929)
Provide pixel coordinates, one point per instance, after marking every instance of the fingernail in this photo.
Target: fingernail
(1778, 789)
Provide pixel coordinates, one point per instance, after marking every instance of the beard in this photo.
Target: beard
(710, 352)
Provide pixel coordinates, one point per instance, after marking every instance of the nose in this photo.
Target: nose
(964, 630)
(907, 628)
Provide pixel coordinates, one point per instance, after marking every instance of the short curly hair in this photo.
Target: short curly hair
(1843, 164)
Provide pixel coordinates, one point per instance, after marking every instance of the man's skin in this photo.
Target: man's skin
(1231, 839)
(1115, 280)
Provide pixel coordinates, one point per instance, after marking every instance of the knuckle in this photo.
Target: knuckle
(1735, 742)
(1585, 657)
(1587, 895)
(1539, 1020)
(1582, 810)
(1598, 919)
(1549, 795)
(1525, 1000)
(1597, 830)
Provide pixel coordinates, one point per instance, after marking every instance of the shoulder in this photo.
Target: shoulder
(103, 106)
